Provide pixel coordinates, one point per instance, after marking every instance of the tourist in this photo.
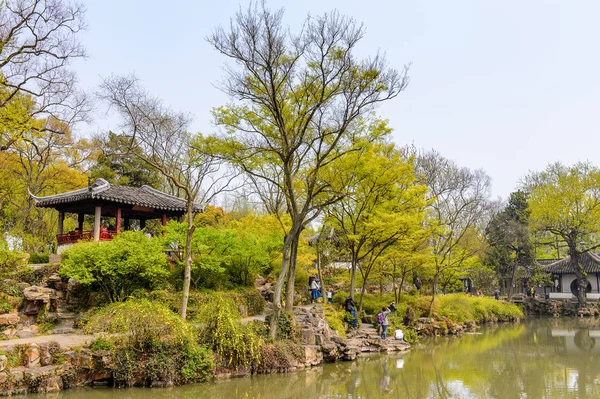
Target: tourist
(479, 293)
(314, 291)
(350, 307)
(392, 307)
(497, 294)
(418, 283)
(330, 294)
(382, 319)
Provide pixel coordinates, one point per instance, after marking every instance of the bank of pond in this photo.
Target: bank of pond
(538, 357)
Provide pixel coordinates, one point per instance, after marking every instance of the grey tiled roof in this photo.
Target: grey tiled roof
(103, 190)
(589, 261)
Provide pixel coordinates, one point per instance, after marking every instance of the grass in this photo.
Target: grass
(459, 308)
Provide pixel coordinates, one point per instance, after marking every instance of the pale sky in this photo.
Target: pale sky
(506, 86)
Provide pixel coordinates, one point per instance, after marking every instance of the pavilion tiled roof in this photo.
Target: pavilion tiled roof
(589, 261)
(102, 190)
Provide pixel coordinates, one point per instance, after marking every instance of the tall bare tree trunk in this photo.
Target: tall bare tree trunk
(187, 271)
(285, 263)
(291, 283)
(353, 276)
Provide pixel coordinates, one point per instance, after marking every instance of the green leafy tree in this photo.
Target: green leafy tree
(299, 102)
(131, 261)
(126, 169)
(565, 201)
(457, 208)
(384, 205)
(508, 235)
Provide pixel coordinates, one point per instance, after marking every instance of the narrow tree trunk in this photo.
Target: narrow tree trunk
(187, 271)
(511, 282)
(399, 296)
(285, 263)
(581, 278)
(353, 276)
(362, 297)
(291, 283)
(434, 284)
(323, 289)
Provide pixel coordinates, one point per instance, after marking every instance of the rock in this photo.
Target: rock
(9, 332)
(9, 319)
(312, 355)
(243, 311)
(25, 333)
(3, 362)
(36, 293)
(45, 355)
(32, 354)
(308, 337)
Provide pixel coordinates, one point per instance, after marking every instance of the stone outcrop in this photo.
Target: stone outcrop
(317, 336)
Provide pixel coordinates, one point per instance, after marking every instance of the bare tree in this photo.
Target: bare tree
(159, 136)
(299, 101)
(458, 202)
(38, 40)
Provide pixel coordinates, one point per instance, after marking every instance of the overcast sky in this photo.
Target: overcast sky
(506, 86)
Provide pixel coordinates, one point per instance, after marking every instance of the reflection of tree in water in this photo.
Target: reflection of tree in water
(583, 340)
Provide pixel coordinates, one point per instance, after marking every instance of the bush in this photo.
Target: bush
(131, 261)
(335, 318)
(249, 297)
(10, 260)
(5, 306)
(141, 323)
(280, 355)
(234, 344)
(36, 258)
(151, 343)
(461, 308)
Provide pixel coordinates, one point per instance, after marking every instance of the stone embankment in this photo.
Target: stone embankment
(557, 308)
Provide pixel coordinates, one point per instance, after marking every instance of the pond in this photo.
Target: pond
(540, 358)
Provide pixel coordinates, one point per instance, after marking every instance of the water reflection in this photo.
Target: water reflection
(546, 358)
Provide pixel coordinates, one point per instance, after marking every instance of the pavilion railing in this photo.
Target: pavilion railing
(73, 237)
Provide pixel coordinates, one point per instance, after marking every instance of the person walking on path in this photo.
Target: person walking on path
(314, 291)
(382, 318)
(350, 307)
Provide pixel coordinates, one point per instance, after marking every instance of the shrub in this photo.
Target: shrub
(5, 306)
(335, 318)
(151, 343)
(234, 344)
(141, 322)
(252, 300)
(101, 344)
(280, 355)
(131, 261)
(39, 258)
(10, 260)
(461, 308)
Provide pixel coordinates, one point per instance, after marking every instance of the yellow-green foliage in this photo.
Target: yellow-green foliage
(150, 343)
(234, 344)
(461, 308)
(141, 323)
(335, 318)
(250, 298)
(457, 307)
(130, 262)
